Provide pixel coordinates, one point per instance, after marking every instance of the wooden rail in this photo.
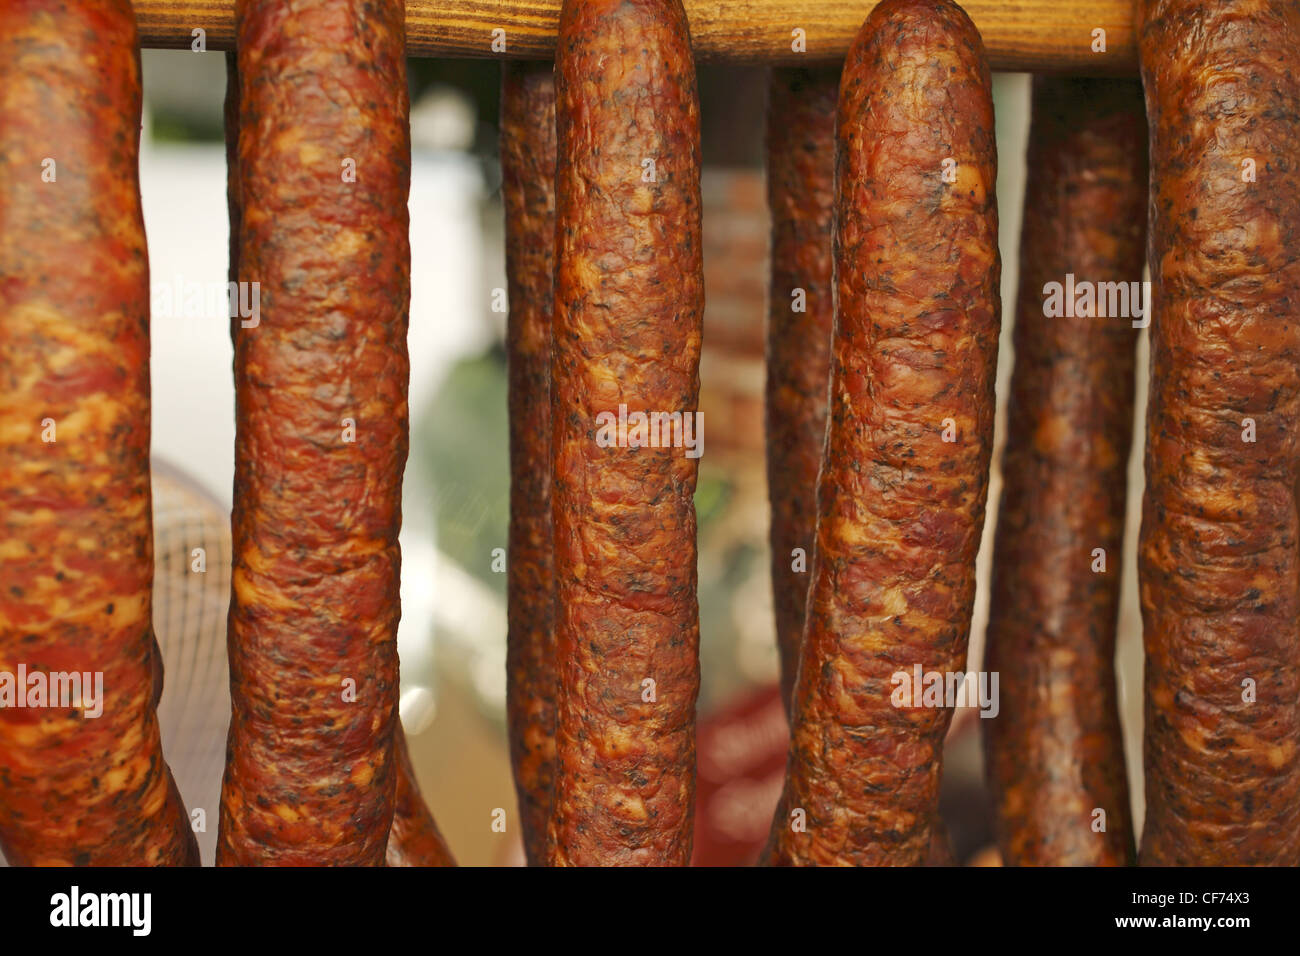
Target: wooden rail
(1035, 35)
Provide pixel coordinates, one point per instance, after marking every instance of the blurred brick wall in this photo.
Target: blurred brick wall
(736, 226)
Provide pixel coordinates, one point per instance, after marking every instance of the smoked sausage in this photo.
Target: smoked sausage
(82, 777)
(322, 430)
(1218, 564)
(1055, 751)
(905, 473)
(415, 839)
(629, 298)
(800, 187)
(528, 190)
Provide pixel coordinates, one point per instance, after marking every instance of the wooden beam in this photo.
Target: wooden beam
(1035, 35)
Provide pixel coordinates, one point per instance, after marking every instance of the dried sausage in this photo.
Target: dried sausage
(1218, 565)
(905, 474)
(76, 540)
(321, 403)
(800, 186)
(528, 189)
(1055, 750)
(628, 304)
(322, 433)
(415, 839)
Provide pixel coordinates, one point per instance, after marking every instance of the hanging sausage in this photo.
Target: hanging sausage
(905, 474)
(629, 299)
(82, 777)
(1055, 750)
(1218, 561)
(321, 381)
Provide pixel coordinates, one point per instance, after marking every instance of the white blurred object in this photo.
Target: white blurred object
(184, 196)
(418, 707)
(443, 118)
(415, 647)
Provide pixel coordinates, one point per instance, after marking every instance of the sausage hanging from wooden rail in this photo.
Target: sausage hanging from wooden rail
(1218, 561)
(1055, 750)
(629, 299)
(1037, 35)
(76, 540)
(415, 839)
(800, 187)
(321, 380)
(528, 189)
(903, 484)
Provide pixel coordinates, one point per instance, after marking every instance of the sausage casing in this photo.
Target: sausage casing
(76, 537)
(1218, 565)
(800, 187)
(321, 439)
(629, 299)
(528, 190)
(899, 508)
(1055, 750)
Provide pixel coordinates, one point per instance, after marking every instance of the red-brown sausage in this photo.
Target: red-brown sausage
(76, 539)
(629, 297)
(1054, 751)
(1218, 562)
(415, 839)
(321, 441)
(899, 508)
(800, 186)
(528, 189)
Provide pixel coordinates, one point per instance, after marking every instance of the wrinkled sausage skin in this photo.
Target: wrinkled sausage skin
(528, 190)
(1055, 750)
(629, 299)
(899, 509)
(414, 839)
(321, 440)
(800, 187)
(1218, 565)
(76, 537)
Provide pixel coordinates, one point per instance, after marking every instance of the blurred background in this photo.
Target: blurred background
(452, 638)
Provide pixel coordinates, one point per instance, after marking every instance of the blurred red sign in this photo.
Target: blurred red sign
(741, 751)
